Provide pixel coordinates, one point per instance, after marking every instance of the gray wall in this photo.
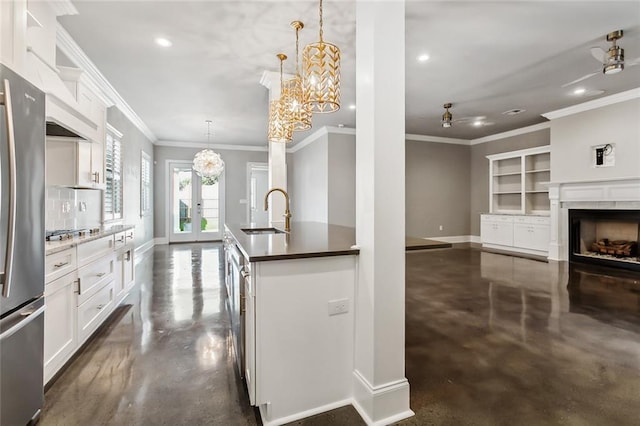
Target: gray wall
(573, 139)
(307, 182)
(342, 179)
(479, 185)
(437, 189)
(235, 181)
(133, 143)
(322, 180)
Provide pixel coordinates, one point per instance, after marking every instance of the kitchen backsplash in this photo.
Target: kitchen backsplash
(68, 208)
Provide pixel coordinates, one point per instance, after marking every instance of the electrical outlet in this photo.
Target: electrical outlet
(441, 227)
(337, 307)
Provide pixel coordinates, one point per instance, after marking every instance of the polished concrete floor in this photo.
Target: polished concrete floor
(491, 339)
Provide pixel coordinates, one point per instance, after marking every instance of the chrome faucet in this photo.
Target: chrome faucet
(287, 212)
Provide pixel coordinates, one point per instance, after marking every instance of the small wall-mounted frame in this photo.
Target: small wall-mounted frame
(603, 155)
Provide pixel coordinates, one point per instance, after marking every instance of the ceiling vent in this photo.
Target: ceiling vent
(514, 111)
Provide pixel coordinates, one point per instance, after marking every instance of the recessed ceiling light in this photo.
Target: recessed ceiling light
(341, 125)
(477, 123)
(579, 91)
(163, 42)
(352, 106)
(423, 58)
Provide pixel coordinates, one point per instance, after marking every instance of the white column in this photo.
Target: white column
(277, 155)
(381, 391)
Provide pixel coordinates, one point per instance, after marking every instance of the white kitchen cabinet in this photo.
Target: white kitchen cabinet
(70, 162)
(85, 282)
(13, 30)
(518, 233)
(60, 338)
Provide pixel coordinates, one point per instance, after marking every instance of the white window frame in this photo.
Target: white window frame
(146, 176)
(113, 138)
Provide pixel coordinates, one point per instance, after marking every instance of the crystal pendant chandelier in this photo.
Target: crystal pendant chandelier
(321, 80)
(292, 94)
(280, 126)
(207, 163)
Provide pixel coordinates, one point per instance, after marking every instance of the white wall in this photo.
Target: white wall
(573, 137)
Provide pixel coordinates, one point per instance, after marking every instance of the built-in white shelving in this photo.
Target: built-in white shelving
(518, 181)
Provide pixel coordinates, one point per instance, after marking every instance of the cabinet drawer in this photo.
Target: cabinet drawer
(93, 276)
(94, 311)
(59, 264)
(496, 218)
(95, 249)
(119, 240)
(532, 220)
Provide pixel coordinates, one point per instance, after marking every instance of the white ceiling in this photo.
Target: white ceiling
(486, 58)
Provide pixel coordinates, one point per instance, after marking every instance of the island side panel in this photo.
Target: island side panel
(304, 356)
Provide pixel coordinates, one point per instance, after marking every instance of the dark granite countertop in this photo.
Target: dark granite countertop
(51, 247)
(305, 240)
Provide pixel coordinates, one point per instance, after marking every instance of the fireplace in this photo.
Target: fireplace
(605, 237)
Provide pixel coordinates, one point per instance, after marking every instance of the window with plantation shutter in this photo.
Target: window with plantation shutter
(113, 179)
(145, 184)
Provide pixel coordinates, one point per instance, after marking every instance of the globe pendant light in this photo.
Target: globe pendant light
(280, 126)
(292, 94)
(321, 80)
(207, 163)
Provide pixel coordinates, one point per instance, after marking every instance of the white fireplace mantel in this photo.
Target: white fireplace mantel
(609, 194)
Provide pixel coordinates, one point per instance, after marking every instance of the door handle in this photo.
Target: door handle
(6, 275)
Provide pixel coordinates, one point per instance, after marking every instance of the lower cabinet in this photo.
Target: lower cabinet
(518, 233)
(97, 277)
(60, 339)
(92, 312)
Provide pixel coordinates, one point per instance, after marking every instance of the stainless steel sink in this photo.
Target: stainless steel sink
(261, 231)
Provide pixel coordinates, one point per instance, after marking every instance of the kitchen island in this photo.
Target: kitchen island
(291, 300)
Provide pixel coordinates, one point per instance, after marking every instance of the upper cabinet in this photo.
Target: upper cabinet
(517, 181)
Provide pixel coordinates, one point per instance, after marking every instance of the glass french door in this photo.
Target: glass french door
(196, 212)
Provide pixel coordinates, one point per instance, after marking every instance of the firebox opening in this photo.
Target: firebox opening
(605, 237)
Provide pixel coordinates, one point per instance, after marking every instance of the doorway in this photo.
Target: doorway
(196, 211)
(258, 185)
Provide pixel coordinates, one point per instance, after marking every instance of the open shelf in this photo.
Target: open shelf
(518, 181)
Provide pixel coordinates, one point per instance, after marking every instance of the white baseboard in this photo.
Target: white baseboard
(457, 239)
(161, 241)
(303, 414)
(381, 405)
(144, 247)
(516, 250)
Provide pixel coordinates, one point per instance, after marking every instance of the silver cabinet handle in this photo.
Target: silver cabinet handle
(101, 274)
(79, 286)
(5, 276)
(129, 256)
(100, 306)
(60, 265)
(120, 240)
(96, 177)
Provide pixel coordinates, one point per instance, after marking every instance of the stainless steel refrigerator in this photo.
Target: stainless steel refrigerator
(22, 148)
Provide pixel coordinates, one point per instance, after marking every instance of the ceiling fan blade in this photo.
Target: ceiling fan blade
(599, 54)
(584, 77)
(632, 62)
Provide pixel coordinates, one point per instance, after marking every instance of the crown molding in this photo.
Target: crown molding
(322, 131)
(204, 145)
(108, 94)
(594, 104)
(117, 133)
(63, 7)
(511, 133)
(436, 139)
